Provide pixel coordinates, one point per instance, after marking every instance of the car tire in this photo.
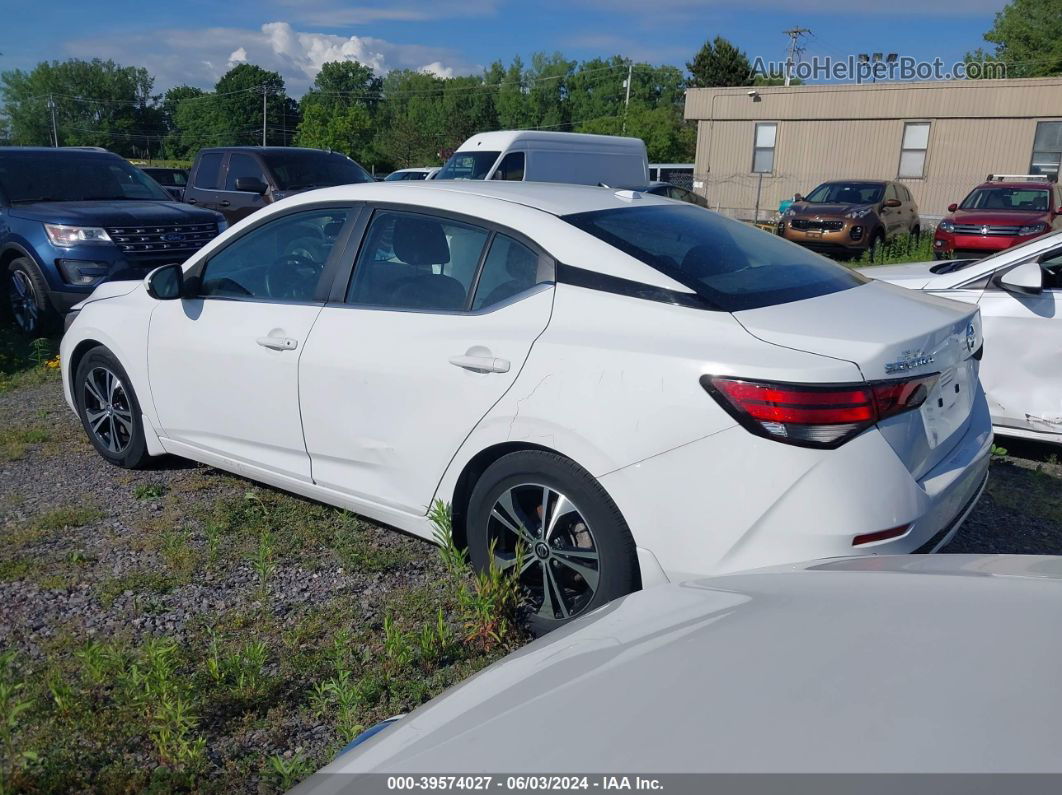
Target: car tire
(27, 299)
(877, 241)
(109, 409)
(588, 557)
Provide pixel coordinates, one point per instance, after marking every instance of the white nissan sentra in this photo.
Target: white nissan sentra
(630, 389)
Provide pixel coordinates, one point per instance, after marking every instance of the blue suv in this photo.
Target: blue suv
(72, 218)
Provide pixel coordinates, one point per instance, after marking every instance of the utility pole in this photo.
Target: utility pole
(55, 132)
(627, 101)
(265, 93)
(794, 51)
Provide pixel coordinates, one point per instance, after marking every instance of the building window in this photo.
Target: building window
(913, 151)
(1047, 149)
(763, 148)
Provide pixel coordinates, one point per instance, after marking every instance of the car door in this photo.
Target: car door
(436, 322)
(235, 204)
(224, 361)
(202, 189)
(891, 217)
(1022, 366)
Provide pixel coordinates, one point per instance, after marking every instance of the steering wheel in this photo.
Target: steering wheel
(292, 276)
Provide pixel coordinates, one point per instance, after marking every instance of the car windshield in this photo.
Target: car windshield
(468, 165)
(172, 177)
(72, 177)
(730, 264)
(1021, 199)
(295, 170)
(846, 193)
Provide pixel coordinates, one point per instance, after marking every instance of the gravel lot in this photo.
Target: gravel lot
(94, 554)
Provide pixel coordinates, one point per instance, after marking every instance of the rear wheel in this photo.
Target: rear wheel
(577, 551)
(109, 410)
(877, 244)
(27, 299)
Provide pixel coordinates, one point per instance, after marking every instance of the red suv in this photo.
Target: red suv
(998, 214)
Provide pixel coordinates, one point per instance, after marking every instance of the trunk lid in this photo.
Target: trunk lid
(889, 333)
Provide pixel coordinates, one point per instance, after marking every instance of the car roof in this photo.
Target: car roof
(263, 149)
(1017, 184)
(550, 197)
(61, 150)
(887, 664)
(501, 139)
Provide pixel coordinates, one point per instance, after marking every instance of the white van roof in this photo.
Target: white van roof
(503, 139)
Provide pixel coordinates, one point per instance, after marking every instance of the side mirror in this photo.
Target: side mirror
(798, 197)
(1026, 279)
(251, 185)
(952, 207)
(165, 283)
(1058, 211)
(891, 203)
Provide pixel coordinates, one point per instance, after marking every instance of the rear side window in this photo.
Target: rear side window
(206, 175)
(413, 261)
(509, 269)
(731, 265)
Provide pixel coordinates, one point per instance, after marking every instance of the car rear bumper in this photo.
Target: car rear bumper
(733, 501)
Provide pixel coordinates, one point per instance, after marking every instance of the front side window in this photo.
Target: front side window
(511, 167)
(763, 147)
(468, 165)
(847, 193)
(281, 260)
(913, 150)
(731, 265)
(414, 261)
(509, 269)
(301, 170)
(240, 166)
(206, 175)
(1047, 149)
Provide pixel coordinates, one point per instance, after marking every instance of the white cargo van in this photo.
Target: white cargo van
(535, 156)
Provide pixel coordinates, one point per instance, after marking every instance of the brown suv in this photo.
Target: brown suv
(848, 217)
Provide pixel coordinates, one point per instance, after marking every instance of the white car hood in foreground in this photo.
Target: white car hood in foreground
(941, 663)
(109, 290)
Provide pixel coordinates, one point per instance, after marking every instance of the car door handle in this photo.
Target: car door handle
(278, 343)
(225, 202)
(482, 364)
(191, 201)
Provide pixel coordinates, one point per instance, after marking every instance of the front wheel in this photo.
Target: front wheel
(577, 551)
(109, 410)
(27, 295)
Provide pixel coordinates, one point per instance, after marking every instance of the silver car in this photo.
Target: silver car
(916, 664)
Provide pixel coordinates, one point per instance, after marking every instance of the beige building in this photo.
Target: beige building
(757, 146)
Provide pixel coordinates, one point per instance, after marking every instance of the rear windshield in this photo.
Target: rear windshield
(313, 169)
(846, 193)
(468, 165)
(173, 178)
(1026, 199)
(72, 177)
(730, 264)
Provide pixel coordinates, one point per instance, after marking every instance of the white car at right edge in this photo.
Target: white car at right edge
(1019, 293)
(629, 388)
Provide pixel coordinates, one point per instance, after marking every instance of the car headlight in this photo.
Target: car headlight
(63, 235)
(861, 212)
(1032, 229)
(946, 226)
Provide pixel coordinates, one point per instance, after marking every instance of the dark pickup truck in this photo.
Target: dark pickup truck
(72, 218)
(237, 180)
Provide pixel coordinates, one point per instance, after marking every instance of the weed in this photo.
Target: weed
(148, 491)
(902, 248)
(12, 704)
(287, 772)
(397, 646)
(15, 442)
(262, 562)
(998, 452)
(66, 518)
(213, 541)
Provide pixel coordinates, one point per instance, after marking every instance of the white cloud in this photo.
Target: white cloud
(178, 56)
(337, 13)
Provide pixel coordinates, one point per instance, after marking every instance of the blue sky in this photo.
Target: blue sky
(195, 41)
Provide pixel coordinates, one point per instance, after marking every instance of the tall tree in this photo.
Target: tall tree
(1027, 37)
(96, 103)
(337, 113)
(719, 63)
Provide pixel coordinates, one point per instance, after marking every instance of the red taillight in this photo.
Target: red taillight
(814, 415)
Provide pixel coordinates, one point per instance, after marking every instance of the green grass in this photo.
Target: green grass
(25, 362)
(902, 248)
(16, 442)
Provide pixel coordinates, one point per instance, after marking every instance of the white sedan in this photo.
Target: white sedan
(1019, 292)
(630, 389)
